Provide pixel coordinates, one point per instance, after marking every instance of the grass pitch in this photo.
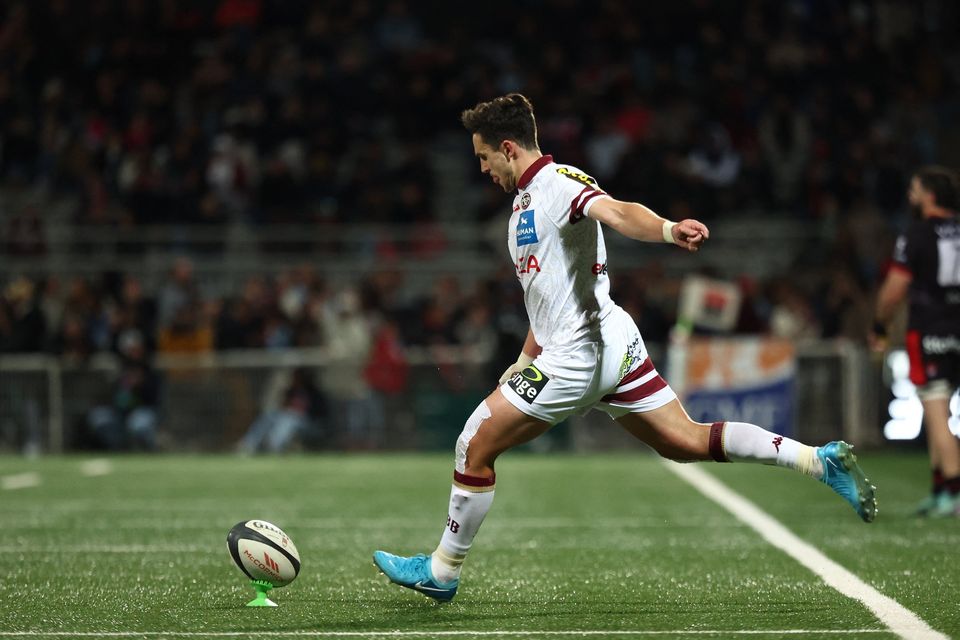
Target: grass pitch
(611, 545)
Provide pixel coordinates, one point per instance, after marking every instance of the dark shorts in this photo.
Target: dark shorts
(933, 358)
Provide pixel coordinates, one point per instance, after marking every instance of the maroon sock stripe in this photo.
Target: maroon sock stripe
(952, 485)
(474, 481)
(937, 480)
(716, 442)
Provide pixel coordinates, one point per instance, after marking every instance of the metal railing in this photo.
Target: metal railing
(209, 400)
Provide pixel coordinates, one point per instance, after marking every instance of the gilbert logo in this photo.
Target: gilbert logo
(776, 442)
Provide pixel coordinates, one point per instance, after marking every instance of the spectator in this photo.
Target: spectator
(294, 409)
(22, 325)
(386, 371)
(347, 336)
(785, 140)
(128, 420)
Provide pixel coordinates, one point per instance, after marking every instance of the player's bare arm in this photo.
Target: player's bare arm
(892, 293)
(638, 222)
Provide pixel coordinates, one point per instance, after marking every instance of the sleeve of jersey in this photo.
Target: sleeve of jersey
(582, 202)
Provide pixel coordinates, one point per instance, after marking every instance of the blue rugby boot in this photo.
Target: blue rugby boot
(946, 506)
(926, 506)
(842, 473)
(414, 573)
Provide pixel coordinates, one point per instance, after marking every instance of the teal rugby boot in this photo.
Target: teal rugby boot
(842, 473)
(946, 506)
(414, 573)
(926, 506)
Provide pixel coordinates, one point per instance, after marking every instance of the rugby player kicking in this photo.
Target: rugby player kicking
(582, 350)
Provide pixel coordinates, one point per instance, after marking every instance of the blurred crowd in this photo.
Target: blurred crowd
(366, 321)
(289, 110)
(216, 111)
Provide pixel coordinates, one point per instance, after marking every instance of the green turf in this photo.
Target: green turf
(572, 543)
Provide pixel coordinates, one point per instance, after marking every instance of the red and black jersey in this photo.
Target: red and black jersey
(930, 252)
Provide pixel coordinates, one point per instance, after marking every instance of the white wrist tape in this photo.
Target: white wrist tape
(522, 363)
(668, 231)
(524, 360)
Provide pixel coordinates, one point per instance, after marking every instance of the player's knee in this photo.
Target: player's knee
(470, 428)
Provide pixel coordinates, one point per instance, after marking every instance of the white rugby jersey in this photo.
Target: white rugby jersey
(559, 254)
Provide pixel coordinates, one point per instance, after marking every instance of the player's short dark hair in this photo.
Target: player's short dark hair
(943, 183)
(508, 117)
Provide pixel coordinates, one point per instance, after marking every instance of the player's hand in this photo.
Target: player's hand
(690, 234)
(878, 343)
(522, 363)
(877, 338)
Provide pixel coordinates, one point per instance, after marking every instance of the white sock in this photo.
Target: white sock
(743, 442)
(470, 499)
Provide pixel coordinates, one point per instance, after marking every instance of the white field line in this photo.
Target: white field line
(575, 633)
(20, 481)
(136, 517)
(104, 548)
(89, 469)
(895, 616)
(96, 467)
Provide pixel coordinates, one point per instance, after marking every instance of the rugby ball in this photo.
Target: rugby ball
(264, 552)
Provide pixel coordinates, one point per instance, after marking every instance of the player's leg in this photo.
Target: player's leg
(495, 426)
(944, 450)
(673, 434)
(931, 373)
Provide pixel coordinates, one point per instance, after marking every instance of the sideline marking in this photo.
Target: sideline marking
(96, 467)
(895, 616)
(434, 634)
(20, 481)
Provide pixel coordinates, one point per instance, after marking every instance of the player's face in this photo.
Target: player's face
(917, 196)
(494, 163)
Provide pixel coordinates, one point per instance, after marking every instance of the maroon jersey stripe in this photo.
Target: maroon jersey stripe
(645, 368)
(647, 389)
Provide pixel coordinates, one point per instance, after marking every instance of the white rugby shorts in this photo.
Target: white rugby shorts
(614, 375)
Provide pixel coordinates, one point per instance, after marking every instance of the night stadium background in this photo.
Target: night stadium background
(213, 209)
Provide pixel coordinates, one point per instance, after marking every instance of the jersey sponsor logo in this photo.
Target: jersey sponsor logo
(529, 264)
(525, 200)
(528, 383)
(632, 355)
(900, 250)
(599, 269)
(582, 178)
(526, 229)
(939, 345)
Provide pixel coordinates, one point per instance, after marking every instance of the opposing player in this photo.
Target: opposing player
(926, 267)
(582, 350)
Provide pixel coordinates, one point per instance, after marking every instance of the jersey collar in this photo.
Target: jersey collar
(532, 170)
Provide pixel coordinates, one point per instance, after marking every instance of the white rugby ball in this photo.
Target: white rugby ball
(264, 552)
